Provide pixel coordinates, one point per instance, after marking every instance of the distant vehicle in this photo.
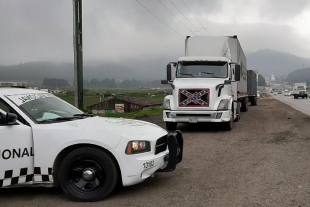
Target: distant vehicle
(300, 90)
(258, 95)
(279, 92)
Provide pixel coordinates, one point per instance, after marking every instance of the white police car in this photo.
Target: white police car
(44, 141)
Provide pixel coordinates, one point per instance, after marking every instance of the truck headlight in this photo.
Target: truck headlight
(223, 104)
(166, 104)
(136, 147)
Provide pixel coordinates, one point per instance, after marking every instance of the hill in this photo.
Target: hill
(270, 61)
(300, 75)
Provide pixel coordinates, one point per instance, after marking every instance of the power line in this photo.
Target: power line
(159, 19)
(196, 18)
(184, 15)
(177, 18)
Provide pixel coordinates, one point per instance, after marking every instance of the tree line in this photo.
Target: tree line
(105, 83)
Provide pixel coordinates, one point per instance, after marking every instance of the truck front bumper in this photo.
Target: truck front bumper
(196, 116)
(145, 166)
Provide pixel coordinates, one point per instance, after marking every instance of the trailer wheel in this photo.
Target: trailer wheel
(171, 126)
(254, 101)
(88, 174)
(245, 104)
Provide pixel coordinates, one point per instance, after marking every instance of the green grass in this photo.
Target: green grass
(93, 97)
(137, 114)
(88, 100)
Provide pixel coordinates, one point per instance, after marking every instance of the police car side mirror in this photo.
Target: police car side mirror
(11, 118)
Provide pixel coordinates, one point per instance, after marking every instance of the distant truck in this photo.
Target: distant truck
(211, 84)
(300, 90)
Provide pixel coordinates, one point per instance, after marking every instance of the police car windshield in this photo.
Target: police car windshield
(44, 107)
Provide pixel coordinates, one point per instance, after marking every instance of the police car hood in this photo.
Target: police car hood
(117, 126)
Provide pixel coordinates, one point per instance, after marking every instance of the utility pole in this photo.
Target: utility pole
(78, 52)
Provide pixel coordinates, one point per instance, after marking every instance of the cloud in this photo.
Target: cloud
(122, 30)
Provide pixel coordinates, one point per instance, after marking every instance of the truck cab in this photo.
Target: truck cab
(210, 83)
(47, 142)
(300, 90)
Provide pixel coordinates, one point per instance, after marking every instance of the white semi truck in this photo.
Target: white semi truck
(211, 84)
(300, 90)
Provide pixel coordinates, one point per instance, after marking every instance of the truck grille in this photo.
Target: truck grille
(161, 145)
(301, 92)
(194, 97)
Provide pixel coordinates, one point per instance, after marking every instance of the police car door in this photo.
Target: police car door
(16, 151)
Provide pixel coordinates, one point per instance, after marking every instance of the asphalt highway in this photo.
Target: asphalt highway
(302, 105)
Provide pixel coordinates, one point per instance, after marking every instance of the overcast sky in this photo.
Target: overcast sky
(120, 30)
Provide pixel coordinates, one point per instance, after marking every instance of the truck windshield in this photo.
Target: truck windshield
(46, 108)
(300, 88)
(194, 69)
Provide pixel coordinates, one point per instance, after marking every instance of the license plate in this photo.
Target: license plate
(192, 120)
(148, 165)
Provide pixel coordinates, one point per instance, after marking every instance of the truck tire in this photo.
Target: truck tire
(238, 112)
(254, 101)
(227, 126)
(245, 104)
(88, 174)
(171, 126)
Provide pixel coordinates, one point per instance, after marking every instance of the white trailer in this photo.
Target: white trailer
(212, 83)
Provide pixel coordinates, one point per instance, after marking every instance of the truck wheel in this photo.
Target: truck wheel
(238, 113)
(245, 104)
(88, 174)
(254, 101)
(171, 126)
(227, 126)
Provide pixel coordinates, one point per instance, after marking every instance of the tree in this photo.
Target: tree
(54, 82)
(261, 80)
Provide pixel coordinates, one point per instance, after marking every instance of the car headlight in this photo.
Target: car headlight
(166, 104)
(223, 104)
(136, 147)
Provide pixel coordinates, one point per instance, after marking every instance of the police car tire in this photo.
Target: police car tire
(103, 159)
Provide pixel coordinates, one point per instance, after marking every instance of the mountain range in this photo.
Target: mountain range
(267, 62)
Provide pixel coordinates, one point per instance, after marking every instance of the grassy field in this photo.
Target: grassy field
(137, 114)
(90, 100)
(93, 96)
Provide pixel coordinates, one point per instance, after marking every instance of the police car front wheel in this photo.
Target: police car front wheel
(88, 174)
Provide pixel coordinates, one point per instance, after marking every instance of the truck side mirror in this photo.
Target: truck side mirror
(169, 72)
(237, 72)
(11, 118)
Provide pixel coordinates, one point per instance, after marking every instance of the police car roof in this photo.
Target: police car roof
(12, 91)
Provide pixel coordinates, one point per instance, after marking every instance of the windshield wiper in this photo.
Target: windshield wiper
(191, 75)
(214, 76)
(83, 115)
(60, 119)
